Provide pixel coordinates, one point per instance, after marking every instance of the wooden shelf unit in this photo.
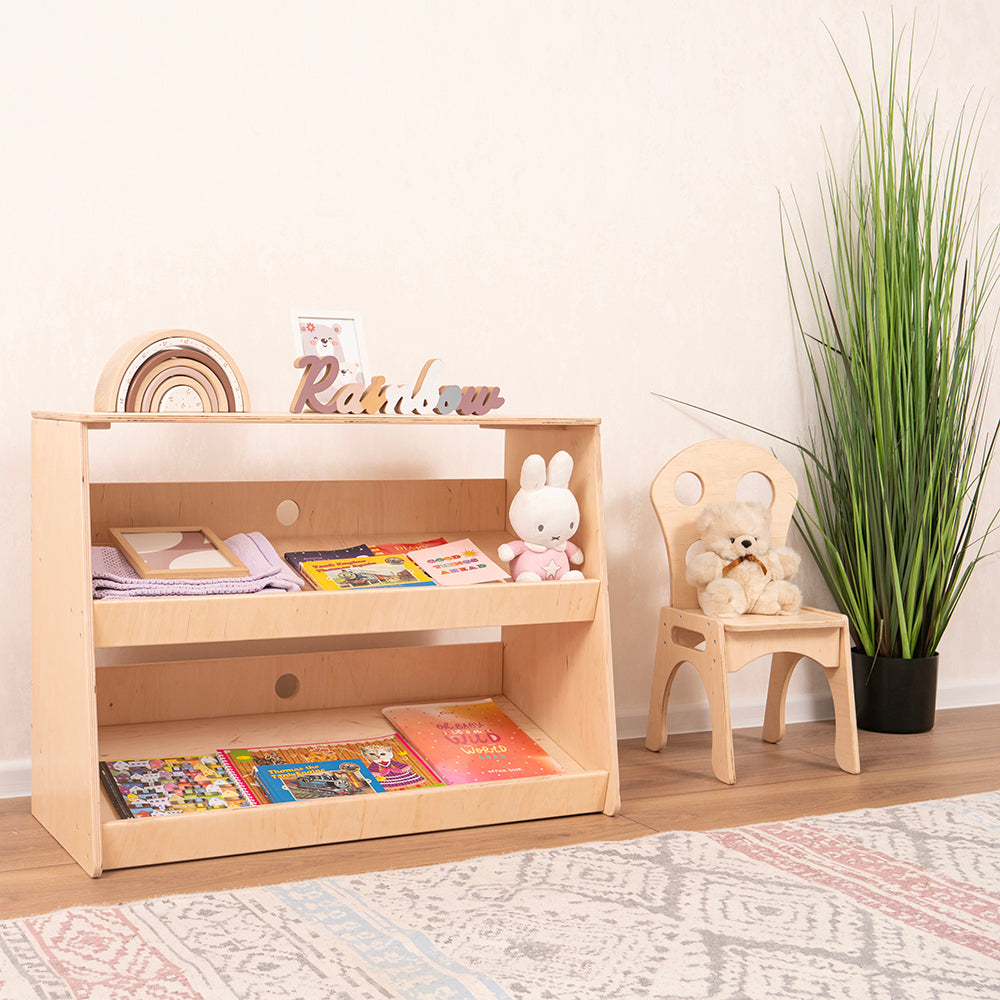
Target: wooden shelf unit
(550, 668)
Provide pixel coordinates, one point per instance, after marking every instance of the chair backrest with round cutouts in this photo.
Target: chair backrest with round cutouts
(716, 471)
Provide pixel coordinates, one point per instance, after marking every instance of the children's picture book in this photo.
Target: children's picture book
(296, 559)
(364, 572)
(392, 762)
(162, 786)
(471, 741)
(324, 779)
(398, 548)
(459, 563)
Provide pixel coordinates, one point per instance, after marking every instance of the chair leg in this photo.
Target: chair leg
(716, 681)
(782, 665)
(841, 680)
(664, 670)
(669, 656)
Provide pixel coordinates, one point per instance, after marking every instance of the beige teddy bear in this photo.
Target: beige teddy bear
(738, 572)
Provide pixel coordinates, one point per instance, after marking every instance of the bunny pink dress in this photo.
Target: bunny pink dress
(549, 564)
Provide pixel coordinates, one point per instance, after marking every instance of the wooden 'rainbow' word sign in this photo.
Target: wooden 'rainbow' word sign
(320, 373)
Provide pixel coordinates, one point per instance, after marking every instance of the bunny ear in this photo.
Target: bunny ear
(560, 469)
(533, 473)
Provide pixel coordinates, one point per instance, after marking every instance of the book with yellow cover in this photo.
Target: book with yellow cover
(470, 741)
(364, 572)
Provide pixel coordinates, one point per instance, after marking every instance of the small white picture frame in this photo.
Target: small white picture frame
(333, 333)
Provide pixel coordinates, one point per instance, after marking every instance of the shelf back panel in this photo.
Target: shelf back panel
(353, 508)
(294, 682)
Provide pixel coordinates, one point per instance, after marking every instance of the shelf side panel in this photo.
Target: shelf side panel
(560, 675)
(65, 788)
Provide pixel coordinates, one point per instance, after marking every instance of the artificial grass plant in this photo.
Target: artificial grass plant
(898, 453)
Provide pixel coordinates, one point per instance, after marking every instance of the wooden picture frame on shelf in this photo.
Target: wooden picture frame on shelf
(187, 553)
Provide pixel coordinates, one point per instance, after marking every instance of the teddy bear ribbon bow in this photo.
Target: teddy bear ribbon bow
(742, 559)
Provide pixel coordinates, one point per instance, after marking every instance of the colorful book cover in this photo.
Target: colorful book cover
(162, 786)
(471, 741)
(399, 548)
(364, 572)
(460, 563)
(323, 779)
(393, 763)
(296, 559)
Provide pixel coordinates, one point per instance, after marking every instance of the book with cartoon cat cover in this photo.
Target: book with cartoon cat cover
(392, 762)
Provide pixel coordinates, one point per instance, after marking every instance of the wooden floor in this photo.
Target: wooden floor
(672, 790)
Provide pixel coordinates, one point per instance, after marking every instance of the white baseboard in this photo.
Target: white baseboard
(15, 775)
(745, 714)
(803, 708)
(967, 695)
(15, 778)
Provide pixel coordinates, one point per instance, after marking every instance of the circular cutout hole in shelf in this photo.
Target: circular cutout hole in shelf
(286, 686)
(287, 512)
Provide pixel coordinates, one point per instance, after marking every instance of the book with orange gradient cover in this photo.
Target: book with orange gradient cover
(470, 741)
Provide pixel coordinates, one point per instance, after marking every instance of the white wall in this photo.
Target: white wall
(574, 200)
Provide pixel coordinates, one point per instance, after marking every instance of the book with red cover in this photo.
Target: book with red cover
(397, 548)
(470, 741)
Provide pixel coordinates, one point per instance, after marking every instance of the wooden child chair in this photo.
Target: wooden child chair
(717, 647)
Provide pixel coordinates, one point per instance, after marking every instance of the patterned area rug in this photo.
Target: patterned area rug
(885, 904)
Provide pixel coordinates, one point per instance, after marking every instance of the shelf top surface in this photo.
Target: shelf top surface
(103, 419)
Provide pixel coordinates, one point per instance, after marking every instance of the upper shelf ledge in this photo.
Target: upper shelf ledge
(104, 419)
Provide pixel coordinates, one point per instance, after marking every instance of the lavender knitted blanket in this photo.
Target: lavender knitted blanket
(115, 578)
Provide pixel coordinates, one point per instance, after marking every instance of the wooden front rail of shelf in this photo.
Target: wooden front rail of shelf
(128, 843)
(165, 620)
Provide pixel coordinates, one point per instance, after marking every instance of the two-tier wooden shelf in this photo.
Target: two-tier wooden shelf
(550, 668)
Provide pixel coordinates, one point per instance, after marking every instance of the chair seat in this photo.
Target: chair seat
(806, 618)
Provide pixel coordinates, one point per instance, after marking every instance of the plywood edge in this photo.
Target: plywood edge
(128, 843)
(501, 423)
(65, 795)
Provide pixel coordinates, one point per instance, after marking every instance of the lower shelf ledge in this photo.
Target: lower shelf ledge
(130, 843)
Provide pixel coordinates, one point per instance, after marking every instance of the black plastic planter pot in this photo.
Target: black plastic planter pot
(893, 695)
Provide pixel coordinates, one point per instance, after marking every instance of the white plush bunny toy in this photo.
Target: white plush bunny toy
(544, 514)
